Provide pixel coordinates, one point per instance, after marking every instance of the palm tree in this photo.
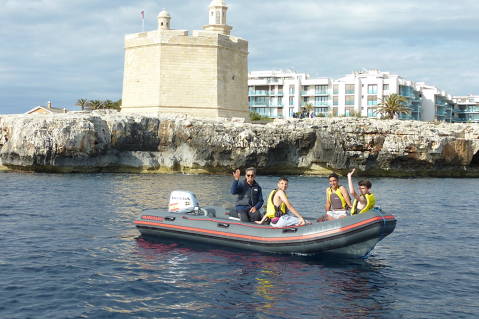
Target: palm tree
(117, 105)
(96, 104)
(308, 107)
(393, 104)
(83, 103)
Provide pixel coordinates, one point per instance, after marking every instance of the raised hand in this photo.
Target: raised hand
(351, 173)
(237, 174)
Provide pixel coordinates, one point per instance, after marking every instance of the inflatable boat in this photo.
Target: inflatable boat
(352, 236)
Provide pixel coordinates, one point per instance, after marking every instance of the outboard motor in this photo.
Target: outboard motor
(183, 202)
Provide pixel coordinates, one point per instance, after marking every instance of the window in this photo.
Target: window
(385, 87)
(218, 17)
(335, 100)
(321, 100)
(372, 89)
(372, 112)
(291, 100)
(321, 89)
(291, 89)
(349, 111)
(335, 89)
(349, 99)
(372, 100)
(349, 88)
(261, 100)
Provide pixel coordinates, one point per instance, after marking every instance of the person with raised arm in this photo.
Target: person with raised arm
(249, 195)
(365, 200)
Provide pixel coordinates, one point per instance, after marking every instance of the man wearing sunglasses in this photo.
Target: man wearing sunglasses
(250, 196)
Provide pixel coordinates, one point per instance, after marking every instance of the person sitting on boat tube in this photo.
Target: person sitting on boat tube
(279, 209)
(250, 196)
(365, 200)
(337, 200)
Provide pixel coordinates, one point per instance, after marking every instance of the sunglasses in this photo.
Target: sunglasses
(249, 175)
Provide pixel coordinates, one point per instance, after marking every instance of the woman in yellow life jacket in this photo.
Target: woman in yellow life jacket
(278, 203)
(337, 199)
(364, 201)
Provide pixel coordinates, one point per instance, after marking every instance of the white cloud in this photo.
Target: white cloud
(65, 50)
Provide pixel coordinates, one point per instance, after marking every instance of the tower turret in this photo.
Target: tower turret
(164, 20)
(217, 17)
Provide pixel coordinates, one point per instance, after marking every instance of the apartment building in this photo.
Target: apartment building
(281, 94)
(437, 105)
(275, 93)
(359, 93)
(466, 109)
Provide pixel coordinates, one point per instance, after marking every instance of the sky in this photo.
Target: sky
(64, 50)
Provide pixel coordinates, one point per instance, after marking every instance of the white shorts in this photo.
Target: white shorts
(337, 213)
(286, 220)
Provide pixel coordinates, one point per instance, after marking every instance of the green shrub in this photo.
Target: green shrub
(257, 117)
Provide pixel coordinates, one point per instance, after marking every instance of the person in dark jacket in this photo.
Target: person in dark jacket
(250, 196)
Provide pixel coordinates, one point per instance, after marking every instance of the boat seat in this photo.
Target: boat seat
(209, 211)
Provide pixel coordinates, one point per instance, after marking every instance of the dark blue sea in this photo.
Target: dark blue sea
(69, 249)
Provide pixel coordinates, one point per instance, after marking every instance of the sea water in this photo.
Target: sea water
(69, 249)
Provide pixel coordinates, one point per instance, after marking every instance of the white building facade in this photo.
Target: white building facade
(437, 105)
(466, 109)
(282, 94)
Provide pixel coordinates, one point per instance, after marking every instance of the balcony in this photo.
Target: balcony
(258, 93)
(265, 104)
(317, 104)
(308, 93)
(467, 110)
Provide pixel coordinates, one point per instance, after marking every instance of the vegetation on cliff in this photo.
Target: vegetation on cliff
(393, 105)
(85, 104)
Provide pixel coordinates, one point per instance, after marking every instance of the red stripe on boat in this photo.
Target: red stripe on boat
(265, 239)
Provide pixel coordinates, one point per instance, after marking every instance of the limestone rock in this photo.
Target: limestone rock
(117, 142)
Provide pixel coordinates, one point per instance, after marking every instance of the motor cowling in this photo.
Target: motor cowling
(182, 202)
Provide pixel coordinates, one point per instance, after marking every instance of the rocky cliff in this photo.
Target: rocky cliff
(116, 142)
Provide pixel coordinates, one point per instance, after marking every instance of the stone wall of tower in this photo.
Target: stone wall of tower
(204, 74)
(232, 75)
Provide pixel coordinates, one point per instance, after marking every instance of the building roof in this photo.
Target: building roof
(218, 3)
(46, 110)
(164, 14)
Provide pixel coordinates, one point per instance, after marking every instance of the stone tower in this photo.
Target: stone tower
(217, 18)
(164, 20)
(202, 74)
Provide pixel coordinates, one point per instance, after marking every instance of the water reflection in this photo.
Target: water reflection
(273, 285)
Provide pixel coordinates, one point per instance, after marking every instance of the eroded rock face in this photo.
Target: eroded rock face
(116, 142)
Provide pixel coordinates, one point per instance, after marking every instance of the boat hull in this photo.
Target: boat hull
(354, 236)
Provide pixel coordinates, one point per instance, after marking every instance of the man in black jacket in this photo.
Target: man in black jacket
(250, 196)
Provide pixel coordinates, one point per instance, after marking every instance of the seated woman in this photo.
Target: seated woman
(279, 209)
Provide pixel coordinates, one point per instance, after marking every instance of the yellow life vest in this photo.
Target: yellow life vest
(271, 209)
(370, 202)
(339, 194)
